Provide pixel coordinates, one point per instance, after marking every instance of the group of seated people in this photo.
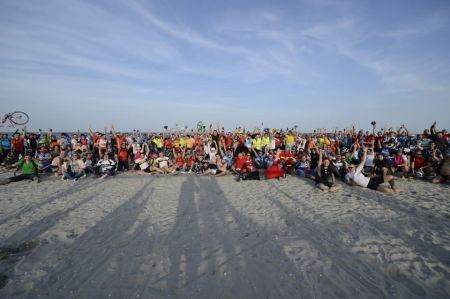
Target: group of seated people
(372, 159)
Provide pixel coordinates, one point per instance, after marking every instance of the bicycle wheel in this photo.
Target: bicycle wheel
(19, 118)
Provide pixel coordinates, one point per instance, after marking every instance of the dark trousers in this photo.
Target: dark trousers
(22, 177)
(123, 165)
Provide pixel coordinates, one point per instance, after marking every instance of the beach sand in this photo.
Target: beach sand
(189, 236)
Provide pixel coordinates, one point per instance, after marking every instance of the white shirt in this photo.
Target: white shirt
(106, 164)
(359, 178)
(162, 162)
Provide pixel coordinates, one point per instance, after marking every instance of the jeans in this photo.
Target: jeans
(72, 175)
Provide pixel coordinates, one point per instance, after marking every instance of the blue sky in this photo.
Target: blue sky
(145, 64)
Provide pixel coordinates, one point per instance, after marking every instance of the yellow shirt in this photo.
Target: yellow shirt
(290, 139)
(265, 141)
(158, 141)
(256, 143)
(182, 142)
(190, 143)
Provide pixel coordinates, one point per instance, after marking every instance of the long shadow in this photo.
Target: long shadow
(368, 275)
(184, 239)
(30, 233)
(37, 228)
(217, 252)
(91, 252)
(57, 195)
(80, 273)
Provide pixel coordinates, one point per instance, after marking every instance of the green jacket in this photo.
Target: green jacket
(28, 168)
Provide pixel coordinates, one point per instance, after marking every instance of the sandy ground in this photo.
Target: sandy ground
(189, 236)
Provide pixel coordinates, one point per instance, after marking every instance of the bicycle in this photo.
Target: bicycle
(15, 118)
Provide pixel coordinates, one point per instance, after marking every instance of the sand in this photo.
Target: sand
(188, 236)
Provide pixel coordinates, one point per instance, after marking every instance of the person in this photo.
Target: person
(122, 157)
(443, 171)
(72, 168)
(17, 146)
(44, 160)
(287, 159)
(274, 170)
(355, 176)
(302, 168)
(88, 167)
(106, 167)
(162, 164)
(400, 163)
(180, 161)
(325, 179)
(419, 165)
(438, 138)
(218, 168)
(5, 144)
(368, 166)
(29, 170)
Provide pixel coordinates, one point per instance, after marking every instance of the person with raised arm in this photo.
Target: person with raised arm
(106, 167)
(29, 170)
(325, 179)
(356, 177)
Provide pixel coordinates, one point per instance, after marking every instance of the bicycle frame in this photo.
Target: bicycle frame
(7, 118)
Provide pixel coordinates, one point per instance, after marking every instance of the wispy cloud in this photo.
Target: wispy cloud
(235, 61)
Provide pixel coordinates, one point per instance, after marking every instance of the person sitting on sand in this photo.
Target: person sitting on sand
(88, 167)
(44, 160)
(400, 163)
(106, 167)
(302, 168)
(217, 168)
(29, 170)
(239, 163)
(180, 161)
(274, 171)
(325, 179)
(420, 168)
(72, 168)
(162, 164)
(443, 171)
(356, 177)
(339, 165)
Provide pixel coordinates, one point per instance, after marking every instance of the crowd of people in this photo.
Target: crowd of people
(370, 159)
